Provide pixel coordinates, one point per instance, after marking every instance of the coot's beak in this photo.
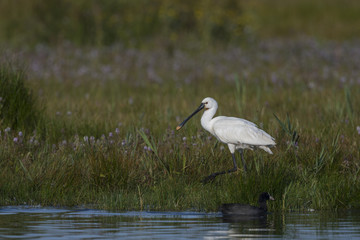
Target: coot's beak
(202, 105)
(271, 198)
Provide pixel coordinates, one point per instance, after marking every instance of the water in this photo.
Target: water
(52, 223)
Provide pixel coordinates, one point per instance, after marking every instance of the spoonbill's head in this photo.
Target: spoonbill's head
(209, 103)
(206, 103)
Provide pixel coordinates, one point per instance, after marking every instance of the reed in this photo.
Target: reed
(19, 108)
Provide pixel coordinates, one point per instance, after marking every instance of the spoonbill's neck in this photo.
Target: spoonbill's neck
(206, 119)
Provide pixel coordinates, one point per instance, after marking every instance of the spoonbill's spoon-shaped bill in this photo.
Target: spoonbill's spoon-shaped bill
(202, 105)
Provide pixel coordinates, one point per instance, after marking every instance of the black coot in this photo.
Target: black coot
(236, 209)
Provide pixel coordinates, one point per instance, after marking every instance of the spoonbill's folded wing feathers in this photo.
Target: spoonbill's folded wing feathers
(240, 131)
(239, 121)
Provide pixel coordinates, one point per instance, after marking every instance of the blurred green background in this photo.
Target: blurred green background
(140, 22)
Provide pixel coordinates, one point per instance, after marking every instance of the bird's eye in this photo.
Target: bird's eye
(206, 103)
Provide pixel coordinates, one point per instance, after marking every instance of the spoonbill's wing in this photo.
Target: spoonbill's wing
(240, 131)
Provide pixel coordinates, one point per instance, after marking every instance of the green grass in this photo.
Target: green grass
(19, 108)
(337, 21)
(89, 116)
(108, 135)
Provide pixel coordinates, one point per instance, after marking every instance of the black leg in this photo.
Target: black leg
(242, 159)
(213, 175)
(234, 160)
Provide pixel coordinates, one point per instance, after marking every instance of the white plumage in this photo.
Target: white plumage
(241, 133)
(237, 133)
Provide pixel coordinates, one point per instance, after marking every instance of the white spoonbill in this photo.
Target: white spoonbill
(237, 133)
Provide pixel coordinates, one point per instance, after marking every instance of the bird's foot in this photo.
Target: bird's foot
(232, 170)
(209, 178)
(212, 176)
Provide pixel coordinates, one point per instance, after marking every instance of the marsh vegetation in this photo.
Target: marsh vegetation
(94, 124)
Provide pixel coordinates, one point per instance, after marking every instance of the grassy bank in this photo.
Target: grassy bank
(107, 134)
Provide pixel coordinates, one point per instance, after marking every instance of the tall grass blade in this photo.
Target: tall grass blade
(320, 161)
(25, 171)
(240, 94)
(153, 147)
(282, 125)
(148, 143)
(349, 105)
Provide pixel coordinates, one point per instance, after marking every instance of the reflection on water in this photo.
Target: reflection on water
(52, 223)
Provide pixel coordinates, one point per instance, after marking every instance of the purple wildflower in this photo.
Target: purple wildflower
(146, 148)
(131, 100)
(343, 79)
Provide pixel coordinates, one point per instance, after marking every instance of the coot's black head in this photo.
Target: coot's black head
(264, 197)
